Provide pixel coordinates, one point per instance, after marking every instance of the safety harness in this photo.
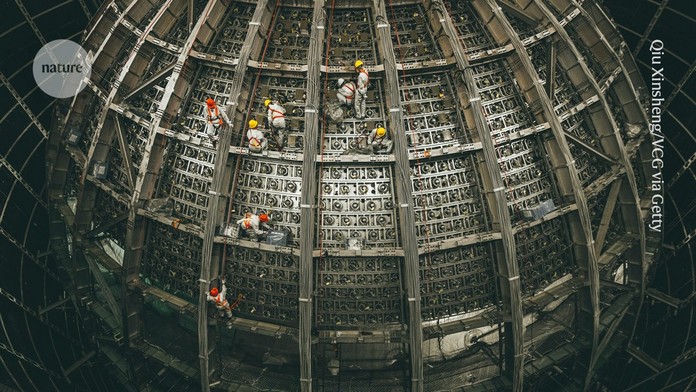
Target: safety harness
(213, 119)
(364, 71)
(280, 114)
(347, 85)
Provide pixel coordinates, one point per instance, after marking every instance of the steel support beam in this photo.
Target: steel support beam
(685, 167)
(107, 225)
(219, 195)
(551, 68)
(144, 186)
(166, 70)
(582, 144)
(620, 153)
(106, 138)
(54, 305)
(501, 221)
(308, 198)
(30, 113)
(29, 255)
(18, 177)
(79, 363)
(402, 184)
(565, 157)
(606, 215)
(653, 21)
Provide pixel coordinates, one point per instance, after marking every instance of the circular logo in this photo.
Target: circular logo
(61, 68)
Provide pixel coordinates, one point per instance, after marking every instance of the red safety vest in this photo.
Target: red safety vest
(280, 114)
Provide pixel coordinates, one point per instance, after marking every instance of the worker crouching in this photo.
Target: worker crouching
(345, 92)
(250, 224)
(378, 140)
(257, 140)
(219, 298)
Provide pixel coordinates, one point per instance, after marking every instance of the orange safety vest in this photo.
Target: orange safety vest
(220, 301)
(247, 223)
(213, 118)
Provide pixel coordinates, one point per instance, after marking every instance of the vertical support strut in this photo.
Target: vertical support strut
(219, 193)
(403, 192)
(573, 180)
(620, 155)
(309, 194)
(501, 221)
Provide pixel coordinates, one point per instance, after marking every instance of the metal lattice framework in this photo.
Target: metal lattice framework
(497, 111)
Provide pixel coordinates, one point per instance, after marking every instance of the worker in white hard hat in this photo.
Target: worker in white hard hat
(346, 92)
(379, 141)
(257, 140)
(216, 118)
(276, 119)
(361, 90)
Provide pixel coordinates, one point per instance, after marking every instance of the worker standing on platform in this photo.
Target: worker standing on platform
(220, 300)
(378, 140)
(216, 118)
(257, 140)
(361, 93)
(251, 222)
(346, 92)
(276, 120)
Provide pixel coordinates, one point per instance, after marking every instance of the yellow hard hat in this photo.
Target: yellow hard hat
(381, 131)
(253, 123)
(266, 102)
(358, 63)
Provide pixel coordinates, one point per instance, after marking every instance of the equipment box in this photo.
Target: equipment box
(277, 237)
(538, 211)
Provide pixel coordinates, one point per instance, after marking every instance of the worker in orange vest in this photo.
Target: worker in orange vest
(251, 222)
(216, 118)
(219, 298)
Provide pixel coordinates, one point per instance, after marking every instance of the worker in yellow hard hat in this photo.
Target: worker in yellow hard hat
(361, 91)
(379, 141)
(257, 140)
(276, 119)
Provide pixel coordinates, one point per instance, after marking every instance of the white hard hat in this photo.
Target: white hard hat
(340, 82)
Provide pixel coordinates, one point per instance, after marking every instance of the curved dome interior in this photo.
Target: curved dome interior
(506, 242)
